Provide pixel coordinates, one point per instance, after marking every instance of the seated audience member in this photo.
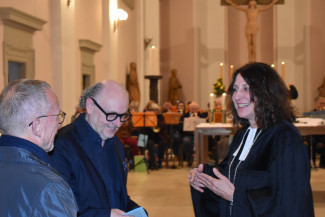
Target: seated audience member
(89, 155)
(126, 133)
(188, 136)
(319, 140)
(29, 118)
(176, 131)
(134, 106)
(167, 107)
(320, 104)
(181, 107)
(158, 138)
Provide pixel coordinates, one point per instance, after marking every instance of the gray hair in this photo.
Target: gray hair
(91, 92)
(22, 101)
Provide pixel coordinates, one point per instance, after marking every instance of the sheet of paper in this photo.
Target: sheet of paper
(138, 212)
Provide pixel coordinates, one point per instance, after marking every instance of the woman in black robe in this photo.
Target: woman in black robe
(267, 170)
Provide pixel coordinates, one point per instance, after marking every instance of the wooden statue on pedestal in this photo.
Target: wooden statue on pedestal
(173, 88)
(133, 85)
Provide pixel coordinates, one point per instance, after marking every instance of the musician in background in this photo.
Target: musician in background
(319, 140)
(188, 136)
(158, 137)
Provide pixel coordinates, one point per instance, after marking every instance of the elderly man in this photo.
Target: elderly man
(29, 118)
(188, 136)
(89, 155)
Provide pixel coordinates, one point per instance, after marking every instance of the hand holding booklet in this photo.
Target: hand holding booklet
(138, 212)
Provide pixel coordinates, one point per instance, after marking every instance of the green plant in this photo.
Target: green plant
(218, 87)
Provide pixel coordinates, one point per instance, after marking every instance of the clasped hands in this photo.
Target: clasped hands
(220, 186)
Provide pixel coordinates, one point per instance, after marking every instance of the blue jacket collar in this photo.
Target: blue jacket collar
(7, 140)
(92, 135)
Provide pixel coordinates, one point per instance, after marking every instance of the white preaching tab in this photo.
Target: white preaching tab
(248, 144)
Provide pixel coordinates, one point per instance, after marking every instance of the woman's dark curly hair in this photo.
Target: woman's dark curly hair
(268, 92)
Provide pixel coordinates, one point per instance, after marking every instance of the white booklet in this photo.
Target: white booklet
(142, 140)
(138, 212)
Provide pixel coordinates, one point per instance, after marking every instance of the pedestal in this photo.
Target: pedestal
(153, 86)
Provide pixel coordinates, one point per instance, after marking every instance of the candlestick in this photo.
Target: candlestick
(221, 70)
(223, 101)
(282, 66)
(212, 99)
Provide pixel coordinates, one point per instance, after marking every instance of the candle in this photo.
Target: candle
(273, 65)
(231, 70)
(282, 66)
(212, 98)
(153, 61)
(223, 101)
(221, 70)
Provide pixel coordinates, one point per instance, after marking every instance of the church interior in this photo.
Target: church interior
(72, 44)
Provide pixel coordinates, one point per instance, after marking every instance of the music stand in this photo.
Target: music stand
(143, 120)
(172, 119)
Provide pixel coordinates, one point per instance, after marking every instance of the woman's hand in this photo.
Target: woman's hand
(221, 186)
(193, 178)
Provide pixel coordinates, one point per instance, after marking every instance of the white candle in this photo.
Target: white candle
(223, 101)
(282, 66)
(153, 61)
(221, 70)
(231, 71)
(212, 99)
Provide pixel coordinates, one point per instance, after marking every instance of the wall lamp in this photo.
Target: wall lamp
(119, 15)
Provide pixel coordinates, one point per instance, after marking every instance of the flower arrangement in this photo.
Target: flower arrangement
(218, 87)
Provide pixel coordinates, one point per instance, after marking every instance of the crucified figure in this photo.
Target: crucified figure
(252, 26)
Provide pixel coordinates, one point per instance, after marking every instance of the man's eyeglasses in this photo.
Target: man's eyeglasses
(60, 117)
(112, 116)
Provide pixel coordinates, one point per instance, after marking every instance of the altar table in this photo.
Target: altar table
(203, 130)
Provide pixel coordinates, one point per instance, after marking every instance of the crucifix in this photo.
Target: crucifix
(251, 11)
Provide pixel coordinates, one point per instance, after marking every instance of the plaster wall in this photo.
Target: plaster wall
(317, 48)
(177, 46)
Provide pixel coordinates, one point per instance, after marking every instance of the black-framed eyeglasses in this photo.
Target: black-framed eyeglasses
(60, 117)
(112, 116)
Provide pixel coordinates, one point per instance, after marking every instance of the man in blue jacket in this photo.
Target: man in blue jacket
(89, 155)
(29, 118)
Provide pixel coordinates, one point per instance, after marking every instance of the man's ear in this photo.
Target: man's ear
(36, 128)
(89, 106)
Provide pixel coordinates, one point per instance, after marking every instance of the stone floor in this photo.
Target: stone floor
(165, 192)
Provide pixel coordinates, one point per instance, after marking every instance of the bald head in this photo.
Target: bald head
(194, 107)
(103, 99)
(113, 89)
(104, 89)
